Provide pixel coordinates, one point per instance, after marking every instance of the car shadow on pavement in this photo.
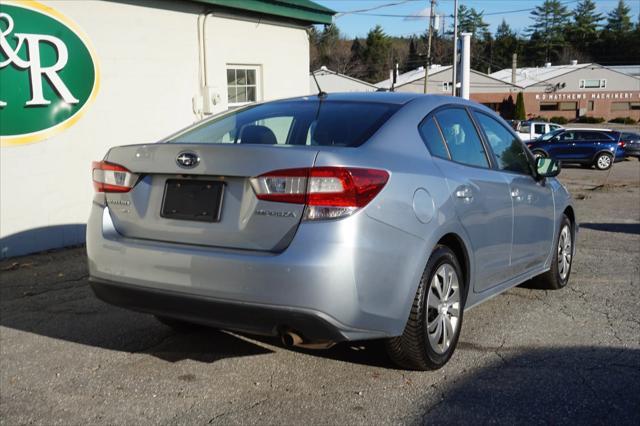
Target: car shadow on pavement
(565, 385)
(624, 228)
(71, 313)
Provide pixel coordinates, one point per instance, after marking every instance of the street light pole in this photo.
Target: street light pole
(432, 17)
(454, 78)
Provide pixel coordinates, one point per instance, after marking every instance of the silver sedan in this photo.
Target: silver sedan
(331, 218)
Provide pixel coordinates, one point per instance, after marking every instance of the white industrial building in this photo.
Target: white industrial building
(158, 65)
(332, 81)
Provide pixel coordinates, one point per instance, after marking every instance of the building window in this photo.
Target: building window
(242, 85)
(593, 84)
(590, 105)
(625, 106)
(446, 86)
(568, 106)
(549, 107)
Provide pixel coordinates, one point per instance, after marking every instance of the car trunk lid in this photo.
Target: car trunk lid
(174, 203)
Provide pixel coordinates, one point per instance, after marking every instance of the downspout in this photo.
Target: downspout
(202, 59)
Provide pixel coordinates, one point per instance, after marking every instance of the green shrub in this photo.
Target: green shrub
(559, 120)
(590, 120)
(623, 120)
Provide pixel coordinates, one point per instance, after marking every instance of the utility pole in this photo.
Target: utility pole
(432, 18)
(454, 79)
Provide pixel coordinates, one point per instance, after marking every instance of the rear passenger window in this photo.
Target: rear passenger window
(538, 129)
(461, 137)
(507, 147)
(432, 137)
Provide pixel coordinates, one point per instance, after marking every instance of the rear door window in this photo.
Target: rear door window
(433, 138)
(507, 147)
(461, 137)
(568, 136)
(539, 129)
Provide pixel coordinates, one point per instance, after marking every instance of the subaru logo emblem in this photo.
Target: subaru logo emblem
(187, 160)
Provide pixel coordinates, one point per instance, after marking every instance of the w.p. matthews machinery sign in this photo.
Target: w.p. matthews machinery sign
(48, 73)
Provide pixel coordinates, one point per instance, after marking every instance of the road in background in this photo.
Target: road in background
(568, 356)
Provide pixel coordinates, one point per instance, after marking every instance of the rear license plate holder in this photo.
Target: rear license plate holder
(192, 199)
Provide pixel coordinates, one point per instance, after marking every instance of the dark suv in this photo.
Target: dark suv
(589, 147)
(631, 144)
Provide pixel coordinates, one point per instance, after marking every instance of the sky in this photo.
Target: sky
(515, 12)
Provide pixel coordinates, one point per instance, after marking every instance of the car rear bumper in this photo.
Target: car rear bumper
(632, 153)
(356, 277)
(242, 317)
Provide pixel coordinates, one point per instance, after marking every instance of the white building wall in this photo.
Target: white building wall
(149, 73)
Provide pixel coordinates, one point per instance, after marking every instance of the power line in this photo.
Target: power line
(416, 16)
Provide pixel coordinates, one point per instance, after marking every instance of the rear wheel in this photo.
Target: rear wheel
(558, 276)
(604, 161)
(539, 154)
(431, 334)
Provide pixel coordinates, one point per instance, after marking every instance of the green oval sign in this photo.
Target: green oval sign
(48, 74)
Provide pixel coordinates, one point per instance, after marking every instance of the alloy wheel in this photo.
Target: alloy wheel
(443, 308)
(564, 252)
(604, 161)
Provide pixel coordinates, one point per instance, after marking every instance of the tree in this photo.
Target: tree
(470, 21)
(377, 55)
(413, 58)
(550, 22)
(506, 43)
(583, 31)
(520, 113)
(618, 20)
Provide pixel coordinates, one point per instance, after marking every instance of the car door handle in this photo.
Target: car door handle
(465, 193)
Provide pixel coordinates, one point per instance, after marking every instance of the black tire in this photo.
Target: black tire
(553, 279)
(603, 165)
(178, 325)
(538, 153)
(413, 349)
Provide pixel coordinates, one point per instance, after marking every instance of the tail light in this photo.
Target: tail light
(109, 177)
(327, 192)
(622, 144)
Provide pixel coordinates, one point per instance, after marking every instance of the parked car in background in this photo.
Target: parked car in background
(331, 218)
(588, 147)
(631, 144)
(530, 130)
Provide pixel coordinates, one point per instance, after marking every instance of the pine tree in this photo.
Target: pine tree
(618, 20)
(584, 29)
(550, 23)
(520, 113)
(470, 21)
(377, 55)
(505, 45)
(413, 58)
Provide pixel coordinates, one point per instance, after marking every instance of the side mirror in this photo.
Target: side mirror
(547, 167)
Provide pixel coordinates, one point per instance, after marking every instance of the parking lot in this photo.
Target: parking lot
(568, 356)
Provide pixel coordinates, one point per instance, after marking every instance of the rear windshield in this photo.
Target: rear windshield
(310, 122)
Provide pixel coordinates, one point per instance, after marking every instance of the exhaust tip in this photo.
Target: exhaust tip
(289, 338)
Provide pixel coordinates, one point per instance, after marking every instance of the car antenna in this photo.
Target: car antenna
(321, 94)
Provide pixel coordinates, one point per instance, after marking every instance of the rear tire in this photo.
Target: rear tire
(539, 154)
(178, 325)
(558, 276)
(604, 161)
(432, 330)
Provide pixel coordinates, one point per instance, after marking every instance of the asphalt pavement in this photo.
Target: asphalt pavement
(526, 356)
